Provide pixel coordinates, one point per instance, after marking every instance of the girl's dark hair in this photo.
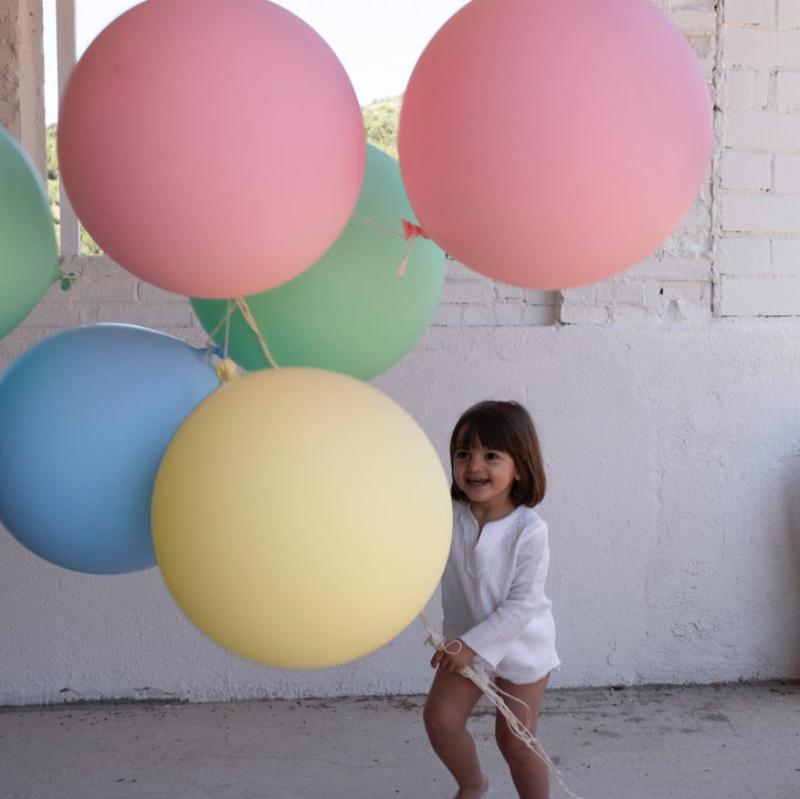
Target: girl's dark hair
(506, 427)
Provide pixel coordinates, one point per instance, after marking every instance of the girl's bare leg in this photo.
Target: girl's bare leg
(449, 704)
(528, 771)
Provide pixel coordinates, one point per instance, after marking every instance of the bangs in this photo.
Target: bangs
(487, 431)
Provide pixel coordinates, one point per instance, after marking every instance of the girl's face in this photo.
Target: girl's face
(486, 476)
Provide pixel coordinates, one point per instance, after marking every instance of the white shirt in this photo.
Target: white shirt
(493, 593)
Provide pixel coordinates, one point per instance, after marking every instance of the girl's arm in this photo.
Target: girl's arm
(491, 638)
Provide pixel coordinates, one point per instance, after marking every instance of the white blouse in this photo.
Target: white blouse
(493, 594)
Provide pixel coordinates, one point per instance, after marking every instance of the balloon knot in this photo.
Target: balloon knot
(227, 370)
(67, 279)
(411, 231)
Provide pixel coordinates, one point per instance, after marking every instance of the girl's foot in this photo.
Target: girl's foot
(474, 793)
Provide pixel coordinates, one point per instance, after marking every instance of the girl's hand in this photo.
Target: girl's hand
(455, 657)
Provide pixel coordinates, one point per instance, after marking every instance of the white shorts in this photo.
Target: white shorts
(515, 672)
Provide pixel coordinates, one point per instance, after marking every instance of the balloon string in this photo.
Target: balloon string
(495, 695)
(378, 225)
(226, 369)
(224, 321)
(228, 314)
(244, 308)
(410, 233)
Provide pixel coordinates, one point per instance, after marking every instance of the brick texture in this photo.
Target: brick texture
(757, 241)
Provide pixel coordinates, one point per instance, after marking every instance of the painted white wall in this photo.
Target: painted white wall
(671, 432)
(674, 509)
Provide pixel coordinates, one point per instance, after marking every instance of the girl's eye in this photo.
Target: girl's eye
(462, 455)
(492, 456)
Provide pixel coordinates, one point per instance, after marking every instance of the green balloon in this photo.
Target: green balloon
(351, 311)
(28, 251)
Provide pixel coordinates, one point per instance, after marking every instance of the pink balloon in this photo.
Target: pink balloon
(214, 148)
(553, 143)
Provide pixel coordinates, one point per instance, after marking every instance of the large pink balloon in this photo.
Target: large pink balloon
(212, 147)
(552, 143)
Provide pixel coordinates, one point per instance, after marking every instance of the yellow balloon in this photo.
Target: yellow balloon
(301, 518)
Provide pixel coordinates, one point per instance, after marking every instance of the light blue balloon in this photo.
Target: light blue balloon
(85, 418)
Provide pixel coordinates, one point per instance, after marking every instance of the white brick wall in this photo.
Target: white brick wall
(787, 174)
(762, 296)
(761, 48)
(747, 88)
(757, 214)
(762, 130)
(788, 91)
(757, 242)
(737, 255)
(750, 12)
(472, 300)
(789, 13)
(786, 257)
(746, 170)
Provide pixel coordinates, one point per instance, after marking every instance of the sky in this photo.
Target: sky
(377, 41)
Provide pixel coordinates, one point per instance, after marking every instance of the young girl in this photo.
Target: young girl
(496, 615)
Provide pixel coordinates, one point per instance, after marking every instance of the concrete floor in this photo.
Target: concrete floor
(707, 742)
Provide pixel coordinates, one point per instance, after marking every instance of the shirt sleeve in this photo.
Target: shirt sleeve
(492, 637)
